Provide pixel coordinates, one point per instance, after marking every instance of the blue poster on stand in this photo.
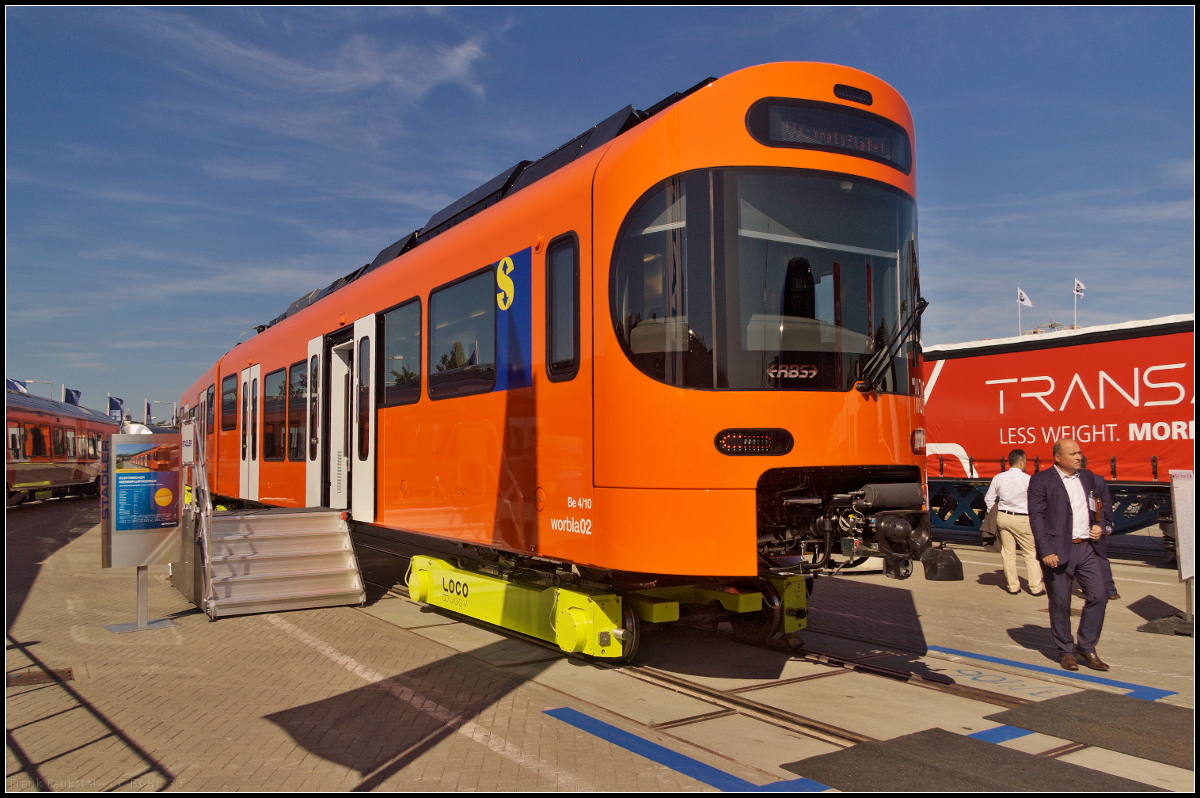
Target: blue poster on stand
(141, 499)
(146, 501)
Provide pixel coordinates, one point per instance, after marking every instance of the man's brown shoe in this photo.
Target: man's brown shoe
(1068, 662)
(1091, 660)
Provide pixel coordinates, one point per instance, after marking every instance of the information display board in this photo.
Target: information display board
(1183, 505)
(140, 499)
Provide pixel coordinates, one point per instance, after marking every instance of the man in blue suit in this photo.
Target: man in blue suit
(1070, 512)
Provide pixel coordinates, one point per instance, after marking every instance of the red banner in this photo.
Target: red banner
(1125, 401)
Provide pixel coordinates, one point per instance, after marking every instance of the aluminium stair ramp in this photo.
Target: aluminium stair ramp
(280, 559)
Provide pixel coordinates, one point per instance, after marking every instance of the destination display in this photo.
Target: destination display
(779, 122)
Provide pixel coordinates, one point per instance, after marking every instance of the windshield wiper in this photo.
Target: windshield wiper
(879, 362)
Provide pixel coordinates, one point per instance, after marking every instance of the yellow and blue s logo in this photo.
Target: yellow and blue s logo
(504, 297)
(514, 334)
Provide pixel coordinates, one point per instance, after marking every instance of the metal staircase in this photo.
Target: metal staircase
(280, 559)
(238, 562)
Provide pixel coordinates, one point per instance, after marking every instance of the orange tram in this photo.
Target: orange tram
(672, 367)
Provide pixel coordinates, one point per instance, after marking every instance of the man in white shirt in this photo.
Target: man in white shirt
(1009, 490)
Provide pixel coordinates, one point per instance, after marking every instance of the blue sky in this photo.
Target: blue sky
(176, 176)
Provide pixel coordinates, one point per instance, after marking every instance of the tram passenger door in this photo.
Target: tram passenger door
(350, 452)
(248, 442)
(314, 462)
(338, 435)
(362, 446)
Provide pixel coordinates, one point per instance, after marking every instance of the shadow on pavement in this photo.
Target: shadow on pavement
(1035, 638)
(382, 728)
(992, 579)
(33, 533)
(675, 651)
(1152, 608)
(869, 612)
(105, 750)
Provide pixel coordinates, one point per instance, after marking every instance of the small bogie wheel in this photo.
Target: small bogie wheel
(633, 626)
(757, 628)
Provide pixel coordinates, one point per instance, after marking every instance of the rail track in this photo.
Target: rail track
(741, 701)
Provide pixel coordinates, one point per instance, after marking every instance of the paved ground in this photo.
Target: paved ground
(269, 702)
(394, 697)
(980, 616)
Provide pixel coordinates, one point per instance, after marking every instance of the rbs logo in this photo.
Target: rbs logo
(785, 370)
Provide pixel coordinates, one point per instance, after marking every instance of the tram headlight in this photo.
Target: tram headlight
(918, 440)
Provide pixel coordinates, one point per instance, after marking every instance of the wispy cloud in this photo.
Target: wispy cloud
(359, 63)
(361, 85)
(245, 169)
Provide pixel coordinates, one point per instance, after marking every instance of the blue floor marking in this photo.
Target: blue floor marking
(1135, 690)
(706, 774)
(1000, 734)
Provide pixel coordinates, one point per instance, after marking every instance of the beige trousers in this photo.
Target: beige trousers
(1015, 531)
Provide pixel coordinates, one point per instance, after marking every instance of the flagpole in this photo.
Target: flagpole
(1076, 323)
(1018, 317)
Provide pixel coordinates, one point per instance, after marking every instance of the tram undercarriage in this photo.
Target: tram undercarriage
(603, 614)
(811, 522)
(824, 519)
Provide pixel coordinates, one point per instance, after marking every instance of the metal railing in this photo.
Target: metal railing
(203, 508)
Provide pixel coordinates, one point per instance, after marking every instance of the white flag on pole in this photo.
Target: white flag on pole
(1023, 298)
(1079, 287)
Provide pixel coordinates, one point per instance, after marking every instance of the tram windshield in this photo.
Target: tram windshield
(759, 279)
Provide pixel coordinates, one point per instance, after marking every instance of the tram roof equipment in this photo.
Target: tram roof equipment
(508, 182)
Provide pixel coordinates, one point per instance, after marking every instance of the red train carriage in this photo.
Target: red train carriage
(1124, 391)
(684, 343)
(53, 447)
(158, 458)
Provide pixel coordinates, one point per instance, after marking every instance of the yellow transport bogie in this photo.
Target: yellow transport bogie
(576, 619)
(595, 623)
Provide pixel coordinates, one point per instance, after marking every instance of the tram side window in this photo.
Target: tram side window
(229, 408)
(60, 442)
(93, 445)
(314, 407)
(254, 419)
(71, 443)
(364, 398)
(37, 440)
(562, 309)
(462, 337)
(209, 410)
(16, 441)
(297, 403)
(663, 282)
(274, 415)
(400, 365)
